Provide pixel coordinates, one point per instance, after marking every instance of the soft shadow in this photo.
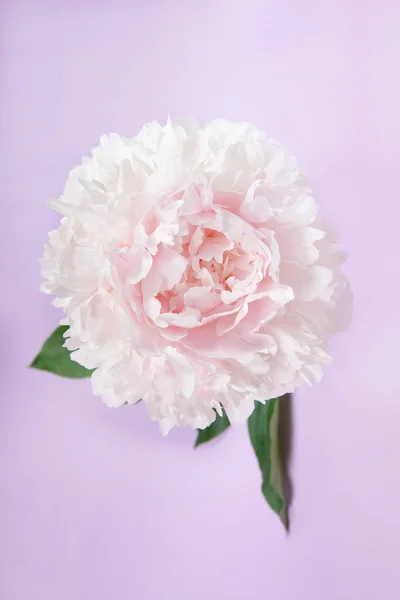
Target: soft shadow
(286, 447)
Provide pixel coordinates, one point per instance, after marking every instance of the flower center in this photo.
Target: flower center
(210, 281)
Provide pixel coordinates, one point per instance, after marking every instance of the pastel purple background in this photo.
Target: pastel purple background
(94, 502)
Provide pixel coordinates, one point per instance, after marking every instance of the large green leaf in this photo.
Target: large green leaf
(55, 358)
(213, 430)
(263, 426)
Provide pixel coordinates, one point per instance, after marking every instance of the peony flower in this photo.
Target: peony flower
(194, 272)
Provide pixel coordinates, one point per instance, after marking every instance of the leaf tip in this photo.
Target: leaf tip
(33, 364)
(285, 521)
(198, 442)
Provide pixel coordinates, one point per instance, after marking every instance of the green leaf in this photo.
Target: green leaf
(55, 358)
(263, 426)
(212, 431)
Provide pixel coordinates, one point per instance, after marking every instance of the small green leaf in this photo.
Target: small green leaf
(212, 431)
(263, 426)
(55, 358)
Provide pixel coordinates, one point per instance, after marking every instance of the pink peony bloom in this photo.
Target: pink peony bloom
(194, 272)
